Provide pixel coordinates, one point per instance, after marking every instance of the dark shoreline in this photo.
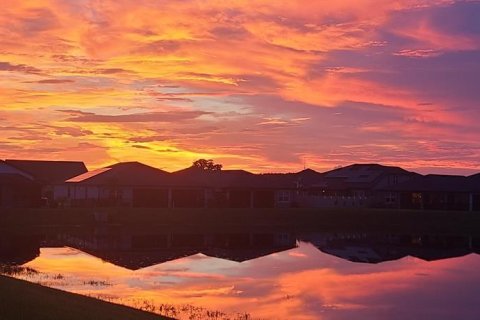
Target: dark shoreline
(24, 300)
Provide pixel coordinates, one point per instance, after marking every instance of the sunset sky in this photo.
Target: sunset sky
(261, 85)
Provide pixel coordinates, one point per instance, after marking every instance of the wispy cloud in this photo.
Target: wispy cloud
(79, 116)
(221, 79)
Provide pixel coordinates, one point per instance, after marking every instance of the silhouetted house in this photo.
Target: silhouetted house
(192, 187)
(138, 185)
(129, 250)
(474, 183)
(241, 247)
(307, 177)
(376, 248)
(435, 192)
(359, 247)
(133, 184)
(149, 245)
(245, 254)
(292, 186)
(363, 253)
(196, 188)
(438, 247)
(358, 185)
(265, 190)
(49, 173)
(222, 189)
(17, 188)
(130, 184)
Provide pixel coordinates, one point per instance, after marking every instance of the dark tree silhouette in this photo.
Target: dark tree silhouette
(206, 165)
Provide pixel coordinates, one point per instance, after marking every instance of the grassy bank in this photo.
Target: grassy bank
(346, 219)
(23, 300)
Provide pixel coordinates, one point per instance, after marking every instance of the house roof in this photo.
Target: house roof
(360, 176)
(48, 172)
(138, 259)
(432, 254)
(474, 182)
(6, 168)
(138, 174)
(193, 177)
(244, 254)
(363, 253)
(124, 173)
(14, 179)
(231, 179)
(87, 175)
(364, 172)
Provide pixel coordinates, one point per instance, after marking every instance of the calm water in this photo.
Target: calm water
(257, 274)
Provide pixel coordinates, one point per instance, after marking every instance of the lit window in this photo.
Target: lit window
(416, 198)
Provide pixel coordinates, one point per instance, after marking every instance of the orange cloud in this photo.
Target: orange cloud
(121, 59)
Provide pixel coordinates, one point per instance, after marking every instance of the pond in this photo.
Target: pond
(256, 273)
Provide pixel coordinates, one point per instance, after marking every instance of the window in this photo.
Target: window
(283, 196)
(359, 193)
(390, 198)
(416, 198)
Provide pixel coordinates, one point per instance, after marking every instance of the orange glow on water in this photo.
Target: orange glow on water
(302, 282)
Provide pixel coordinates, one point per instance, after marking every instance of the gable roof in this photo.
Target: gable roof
(5, 168)
(124, 173)
(193, 177)
(245, 254)
(48, 172)
(232, 179)
(474, 182)
(362, 175)
(364, 172)
(139, 259)
(14, 179)
(363, 253)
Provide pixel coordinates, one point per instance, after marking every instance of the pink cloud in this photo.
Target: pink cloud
(126, 66)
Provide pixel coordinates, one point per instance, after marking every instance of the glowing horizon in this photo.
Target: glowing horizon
(253, 85)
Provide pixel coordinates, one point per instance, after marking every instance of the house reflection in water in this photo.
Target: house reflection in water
(303, 281)
(18, 249)
(376, 248)
(135, 249)
(138, 249)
